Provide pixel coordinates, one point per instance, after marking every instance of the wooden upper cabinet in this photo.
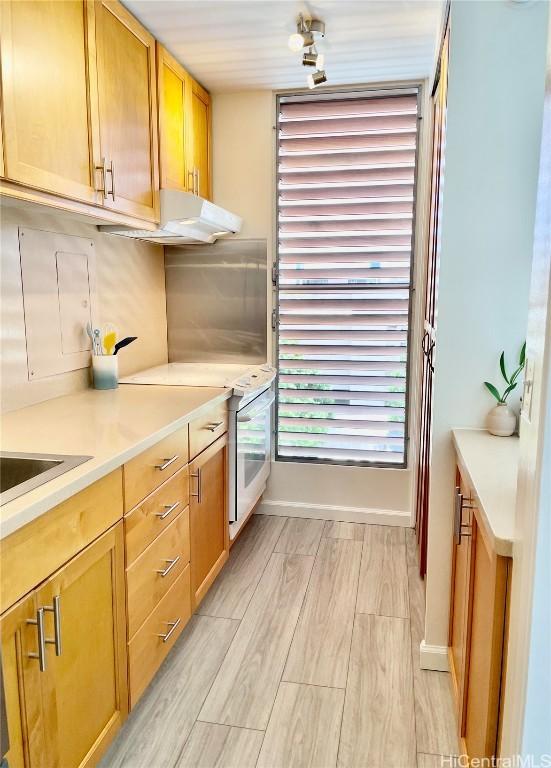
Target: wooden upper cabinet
(184, 127)
(49, 96)
(173, 92)
(199, 139)
(127, 112)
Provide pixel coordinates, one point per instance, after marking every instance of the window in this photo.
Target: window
(346, 183)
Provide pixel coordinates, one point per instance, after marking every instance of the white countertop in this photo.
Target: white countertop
(490, 465)
(111, 426)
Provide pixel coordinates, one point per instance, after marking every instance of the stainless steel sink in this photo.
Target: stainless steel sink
(22, 472)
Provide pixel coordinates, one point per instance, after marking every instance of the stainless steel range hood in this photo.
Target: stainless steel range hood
(185, 218)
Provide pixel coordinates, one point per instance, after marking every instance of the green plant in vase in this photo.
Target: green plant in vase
(502, 420)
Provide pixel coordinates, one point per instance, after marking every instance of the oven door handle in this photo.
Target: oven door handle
(245, 417)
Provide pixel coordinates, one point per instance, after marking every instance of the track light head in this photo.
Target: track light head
(313, 59)
(300, 40)
(307, 31)
(316, 78)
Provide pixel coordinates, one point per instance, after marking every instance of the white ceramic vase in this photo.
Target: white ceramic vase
(502, 420)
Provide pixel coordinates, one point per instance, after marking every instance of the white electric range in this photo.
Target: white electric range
(250, 422)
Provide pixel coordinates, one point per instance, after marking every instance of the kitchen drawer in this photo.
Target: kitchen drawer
(154, 514)
(204, 430)
(147, 649)
(146, 472)
(150, 576)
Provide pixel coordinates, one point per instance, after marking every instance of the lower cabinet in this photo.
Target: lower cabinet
(83, 643)
(478, 628)
(21, 679)
(209, 532)
(459, 617)
(177, 540)
(64, 661)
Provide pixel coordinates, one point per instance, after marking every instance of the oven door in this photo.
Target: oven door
(253, 451)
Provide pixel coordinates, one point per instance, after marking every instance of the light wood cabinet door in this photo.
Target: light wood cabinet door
(22, 685)
(49, 96)
(85, 687)
(460, 600)
(174, 85)
(127, 112)
(485, 670)
(208, 521)
(199, 141)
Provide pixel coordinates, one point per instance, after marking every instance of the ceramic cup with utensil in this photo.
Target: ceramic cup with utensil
(105, 369)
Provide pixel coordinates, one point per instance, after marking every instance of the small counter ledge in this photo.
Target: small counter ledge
(490, 465)
(112, 426)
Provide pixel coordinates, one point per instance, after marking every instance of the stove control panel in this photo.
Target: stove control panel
(256, 379)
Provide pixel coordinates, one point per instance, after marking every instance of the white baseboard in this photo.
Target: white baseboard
(329, 512)
(434, 657)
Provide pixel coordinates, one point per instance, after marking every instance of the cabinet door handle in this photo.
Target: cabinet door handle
(191, 175)
(171, 564)
(460, 528)
(111, 170)
(55, 608)
(168, 509)
(198, 181)
(167, 463)
(213, 426)
(457, 515)
(199, 493)
(101, 168)
(41, 655)
(425, 338)
(172, 625)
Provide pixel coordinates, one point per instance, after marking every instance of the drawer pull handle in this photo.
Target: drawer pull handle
(172, 625)
(168, 509)
(199, 494)
(213, 426)
(171, 564)
(41, 655)
(167, 463)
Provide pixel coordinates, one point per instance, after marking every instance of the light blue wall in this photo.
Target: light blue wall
(495, 101)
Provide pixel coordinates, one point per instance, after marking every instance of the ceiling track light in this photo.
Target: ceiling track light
(309, 31)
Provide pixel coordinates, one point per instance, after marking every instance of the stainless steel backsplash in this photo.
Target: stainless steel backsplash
(216, 300)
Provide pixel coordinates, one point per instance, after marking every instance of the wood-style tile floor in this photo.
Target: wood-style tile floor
(304, 653)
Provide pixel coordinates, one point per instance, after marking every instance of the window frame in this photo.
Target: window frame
(351, 92)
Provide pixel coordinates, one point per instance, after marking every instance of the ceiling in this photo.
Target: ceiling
(231, 45)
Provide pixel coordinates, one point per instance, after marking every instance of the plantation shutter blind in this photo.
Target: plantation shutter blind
(346, 174)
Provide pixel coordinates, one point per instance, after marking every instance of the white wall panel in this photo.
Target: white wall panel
(130, 293)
